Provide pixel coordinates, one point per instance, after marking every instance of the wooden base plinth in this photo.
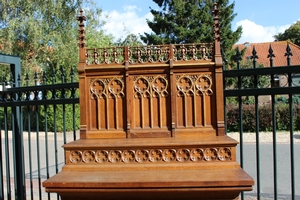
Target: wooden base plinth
(161, 169)
(152, 194)
(174, 184)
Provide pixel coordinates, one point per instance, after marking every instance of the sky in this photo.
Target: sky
(260, 19)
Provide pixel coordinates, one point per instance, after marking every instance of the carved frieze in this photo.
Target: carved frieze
(149, 54)
(151, 155)
(107, 55)
(189, 52)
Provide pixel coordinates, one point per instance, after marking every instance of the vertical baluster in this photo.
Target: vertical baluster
(19, 80)
(62, 75)
(11, 80)
(1, 168)
(44, 78)
(64, 122)
(35, 78)
(7, 156)
(288, 54)
(29, 151)
(72, 75)
(27, 79)
(18, 153)
(38, 151)
(46, 145)
(271, 58)
(238, 58)
(254, 57)
(3, 82)
(55, 140)
(53, 75)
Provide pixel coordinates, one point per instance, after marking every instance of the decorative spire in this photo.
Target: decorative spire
(271, 55)
(254, 54)
(81, 18)
(238, 58)
(254, 57)
(216, 13)
(217, 37)
(288, 54)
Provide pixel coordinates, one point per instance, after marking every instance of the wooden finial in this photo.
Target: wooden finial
(216, 13)
(81, 18)
(217, 37)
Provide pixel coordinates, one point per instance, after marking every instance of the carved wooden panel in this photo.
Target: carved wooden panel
(194, 98)
(159, 155)
(107, 102)
(151, 108)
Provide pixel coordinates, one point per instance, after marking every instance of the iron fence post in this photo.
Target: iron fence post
(1, 168)
(20, 190)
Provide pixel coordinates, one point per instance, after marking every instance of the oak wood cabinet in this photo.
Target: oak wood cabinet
(151, 126)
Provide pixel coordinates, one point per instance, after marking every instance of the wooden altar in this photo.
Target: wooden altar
(151, 126)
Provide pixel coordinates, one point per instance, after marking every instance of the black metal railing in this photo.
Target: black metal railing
(35, 121)
(290, 89)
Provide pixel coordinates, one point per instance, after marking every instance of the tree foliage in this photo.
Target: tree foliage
(130, 40)
(45, 33)
(292, 34)
(191, 21)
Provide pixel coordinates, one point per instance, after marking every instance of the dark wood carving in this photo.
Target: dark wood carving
(151, 126)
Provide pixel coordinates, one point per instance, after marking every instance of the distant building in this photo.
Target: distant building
(279, 50)
(280, 60)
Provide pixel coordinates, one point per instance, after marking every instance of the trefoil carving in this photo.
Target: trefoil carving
(107, 88)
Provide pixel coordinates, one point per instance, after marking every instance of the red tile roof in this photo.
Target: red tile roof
(279, 50)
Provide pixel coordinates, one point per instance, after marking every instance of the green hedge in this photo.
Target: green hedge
(40, 118)
(35, 118)
(282, 114)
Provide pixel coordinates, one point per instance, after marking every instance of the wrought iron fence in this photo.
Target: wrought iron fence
(290, 90)
(36, 120)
